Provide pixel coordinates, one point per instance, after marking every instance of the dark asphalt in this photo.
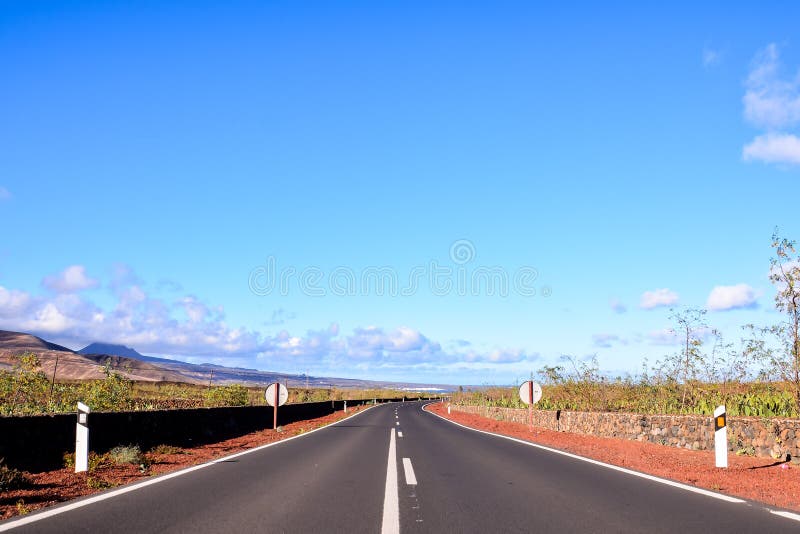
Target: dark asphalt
(334, 480)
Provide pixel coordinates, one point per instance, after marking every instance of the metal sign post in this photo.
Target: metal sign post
(530, 393)
(530, 406)
(276, 395)
(721, 437)
(82, 439)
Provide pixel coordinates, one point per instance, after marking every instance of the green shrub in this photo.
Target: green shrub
(97, 483)
(166, 449)
(130, 454)
(233, 395)
(11, 478)
(96, 461)
(113, 393)
(24, 389)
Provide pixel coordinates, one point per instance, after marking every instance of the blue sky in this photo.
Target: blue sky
(160, 161)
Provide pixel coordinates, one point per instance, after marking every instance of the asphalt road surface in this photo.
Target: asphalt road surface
(396, 468)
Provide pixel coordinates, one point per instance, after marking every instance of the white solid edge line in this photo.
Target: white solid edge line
(672, 483)
(391, 499)
(787, 515)
(44, 514)
(411, 479)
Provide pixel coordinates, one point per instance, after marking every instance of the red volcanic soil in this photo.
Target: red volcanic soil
(759, 479)
(52, 487)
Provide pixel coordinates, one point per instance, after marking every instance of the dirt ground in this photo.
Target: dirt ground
(759, 479)
(52, 487)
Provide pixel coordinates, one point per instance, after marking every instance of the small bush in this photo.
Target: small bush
(130, 454)
(69, 460)
(166, 449)
(97, 483)
(96, 460)
(22, 509)
(10, 478)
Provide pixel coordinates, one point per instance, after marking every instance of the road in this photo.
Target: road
(397, 468)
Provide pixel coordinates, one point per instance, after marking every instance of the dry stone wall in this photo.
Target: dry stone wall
(763, 437)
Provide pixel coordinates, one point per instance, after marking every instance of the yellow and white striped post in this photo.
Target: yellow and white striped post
(721, 436)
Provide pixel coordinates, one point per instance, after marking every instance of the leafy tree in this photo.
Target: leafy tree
(551, 374)
(783, 360)
(728, 364)
(689, 326)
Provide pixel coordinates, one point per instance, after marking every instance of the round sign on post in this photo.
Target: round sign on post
(276, 395)
(282, 394)
(529, 388)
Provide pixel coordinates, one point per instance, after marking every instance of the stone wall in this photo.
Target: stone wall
(769, 438)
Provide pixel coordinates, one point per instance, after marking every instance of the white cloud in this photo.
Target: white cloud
(731, 297)
(657, 298)
(13, 303)
(5, 194)
(192, 329)
(506, 356)
(769, 101)
(373, 342)
(618, 306)
(664, 336)
(195, 310)
(49, 319)
(773, 148)
(669, 337)
(70, 280)
(772, 103)
(607, 340)
(711, 57)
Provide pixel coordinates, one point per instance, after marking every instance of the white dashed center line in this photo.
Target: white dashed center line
(411, 480)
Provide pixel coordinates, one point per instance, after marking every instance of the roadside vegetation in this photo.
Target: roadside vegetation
(757, 375)
(27, 390)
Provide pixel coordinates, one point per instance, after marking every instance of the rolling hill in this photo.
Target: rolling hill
(88, 363)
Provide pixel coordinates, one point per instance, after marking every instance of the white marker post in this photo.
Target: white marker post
(345, 406)
(721, 436)
(82, 439)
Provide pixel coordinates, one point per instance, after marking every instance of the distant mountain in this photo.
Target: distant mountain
(108, 348)
(27, 342)
(88, 363)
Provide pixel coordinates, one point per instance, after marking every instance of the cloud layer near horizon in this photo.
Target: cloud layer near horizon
(188, 327)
